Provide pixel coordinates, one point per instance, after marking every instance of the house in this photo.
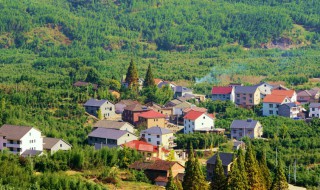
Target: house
(158, 171)
(247, 95)
(314, 110)
(196, 121)
(174, 102)
(167, 111)
(52, 145)
(131, 113)
(118, 125)
(223, 93)
(271, 104)
(265, 88)
(159, 136)
(291, 110)
(85, 84)
(289, 93)
(238, 144)
(21, 139)
(157, 81)
(200, 109)
(178, 109)
(279, 87)
(124, 103)
(164, 83)
(92, 107)
(101, 137)
(308, 96)
(149, 151)
(181, 91)
(242, 128)
(226, 159)
(152, 118)
(125, 84)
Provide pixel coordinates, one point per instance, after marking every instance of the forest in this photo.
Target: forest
(45, 46)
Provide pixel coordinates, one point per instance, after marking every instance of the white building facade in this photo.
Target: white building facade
(198, 121)
(314, 110)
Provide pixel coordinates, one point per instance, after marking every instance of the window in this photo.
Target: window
(250, 95)
(158, 136)
(111, 141)
(149, 139)
(204, 117)
(238, 100)
(270, 111)
(270, 105)
(244, 98)
(60, 145)
(158, 142)
(313, 109)
(238, 95)
(34, 140)
(4, 144)
(143, 135)
(250, 100)
(29, 134)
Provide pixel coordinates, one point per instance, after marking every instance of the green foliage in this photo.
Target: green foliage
(149, 80)
(132, 76)
(219, 180)
(170, 184)
(265, 173)
(279, 181)
(93, 76)
(199, 140)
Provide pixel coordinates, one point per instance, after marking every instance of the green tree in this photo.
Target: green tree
(149, 80)
(171, 156)
(3, 104)
(252, 169)
(132, 76)
(219, 180)
(189, 171)
(99, 113)
(164, 94)
(265, 173)
(279, 182)
(235, 178)
(93, 76)
(170, 184)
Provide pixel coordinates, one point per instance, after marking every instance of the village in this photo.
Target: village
(151, 129)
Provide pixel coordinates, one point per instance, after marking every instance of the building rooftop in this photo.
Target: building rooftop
(48, 142)
(183, 105)
(204, 110)
(271, 98)
(182, 89)
(136, 107)
(246, 89)
(151, 114)
(161, 165)
(111, 124)
(95, 103)
(288, 93)
(221, 90)
(249, 124)
(143, 146)
(157, 130)
(13, 132)
(107, 133)
(226, 158)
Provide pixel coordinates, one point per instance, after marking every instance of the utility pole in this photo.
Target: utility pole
(295, 171)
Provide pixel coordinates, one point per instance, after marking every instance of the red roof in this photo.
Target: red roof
(143, 146)
(204, 110)
(288, 93)
(221, 90)
(151, 114)
(160, 165)
(193, 115)
(157, 81)
(271, 98)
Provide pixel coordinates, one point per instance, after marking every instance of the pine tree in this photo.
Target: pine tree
(279, 182)
(219, 180)
(199, 182)
(132, 76)
(265, 173)
(252, 169)
(92, 76)
(170, 184)
(149, 80)
(189, 169)
(237, 178)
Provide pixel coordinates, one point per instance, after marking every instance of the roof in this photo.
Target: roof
(81, 84)
(195, 109)
(183, 105)
(151, 114)
(249, 124)
(157, 130)
(312, 105)
(128, 102)
(262, 83)
(110, 124)
(136, 107)
(48, 142)
(221, 90)
(13, 132)
(193, 115)
(237, 143)
(107, 133)
(31, 153)
(161, 165)
(226, 158)
(280, 86)
(157, 81)
(271, 98)
(246, 89)
(143, 146)
(174, 102)
(292, 104)
(288, 93)
(182, 89)
(308, 93)
(95, 103)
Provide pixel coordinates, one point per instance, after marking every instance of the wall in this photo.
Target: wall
(126, 138)
(245, 99)
(204, 121)
(266, 109)
(107, 109)
(32, 141)
(127, 127)
(61, 145)
(156, 122)
(188, 126)
(314, 112)
(163, 139)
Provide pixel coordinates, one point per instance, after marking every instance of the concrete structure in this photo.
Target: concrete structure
(247, 95)
(226, 159)
(314, 110)
(181, 91)
(101, 137)
(223, 93)
(308, 96)
(19, 139)
(167, 111)
(195, 121)
(241, 128)
(271, 104)
(265, 88)
(291, 94)
(119, 125)
(52, 145)
(131, 113)
(291, 110)
(178, 109)
(92, 107)
(124, 103)
(159, 136)
(152, 118)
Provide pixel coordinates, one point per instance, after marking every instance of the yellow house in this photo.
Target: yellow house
(152, 118)
(159, 136)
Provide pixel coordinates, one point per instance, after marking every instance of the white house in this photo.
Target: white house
(198, 121)
(271, 104)
(265, 88)
(107, 109)
(250, 128)
(158, 136)
(178, 109)
(21, 139)
(314, 110)
(52, 145)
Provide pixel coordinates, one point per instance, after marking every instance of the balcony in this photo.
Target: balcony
(13, 145)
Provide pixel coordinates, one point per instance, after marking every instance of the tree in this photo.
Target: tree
(99, 113)
(279, 182)
(219, 180)
(189, 169)
(171, 156)
(265, 173)
(149, 80)
(254, 178)
(132, 76)
(237, 179)
(92, 76)
(170, 184)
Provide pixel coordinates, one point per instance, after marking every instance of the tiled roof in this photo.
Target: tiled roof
(195, 109)
(157, 81)
(248, 124)
(226, 158)
(221, 90)
(13, 132)
(151, 114)
(81, 84)
(48, 142)
(128, 102)
(193, 115)
(288, 93)
(183, 105)
(161, 165)
(143, 146)
(95, 103)
(157, 130)
(312, 105)
(110, 124)
(245, 89)
(136, 107)
(271, 98)
(107, 133)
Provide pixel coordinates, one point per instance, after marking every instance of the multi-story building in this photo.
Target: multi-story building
(246, 128)
(131, 113)
(271, 104)
(314, 110)
(223, 93)
(291, 94)
(196, 121)
(93, 106)
(291, 110)
(152, 118)
(159, 136)
(247, 95)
